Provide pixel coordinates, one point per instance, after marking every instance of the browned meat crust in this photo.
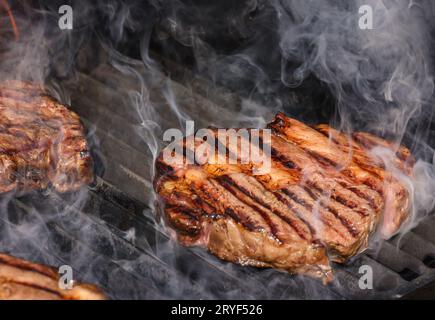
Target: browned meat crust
(353, 165)
(322, 198)
(41, 141)
(24, 280)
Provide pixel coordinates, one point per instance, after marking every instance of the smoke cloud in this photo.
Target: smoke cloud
(309, 59)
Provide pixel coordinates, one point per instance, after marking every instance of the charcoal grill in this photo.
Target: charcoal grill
(109, 235)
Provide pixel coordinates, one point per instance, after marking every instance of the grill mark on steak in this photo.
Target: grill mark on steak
(348, 224)
(165, 170)
(371, 164)
(324, 161)
(281, 198)
(255, 201)
(285, 128)
(184, 210)
(241, 213)
(26, 266)
(250, 202)
(338, 196)
(333, 237)
(242, 194)
(204, 194)
(328, 230)
(27, 280)
(250, 226)
(299, 207)
(27, 111)
(41, 140)
(304, 200)
(183, 220)
(37, 287)
(359, 208)
(322, 207)
(274, 204)
(281, 159)
(369, 141)
(331, 205)
(342, 194)
(206, 208)
(371, 196)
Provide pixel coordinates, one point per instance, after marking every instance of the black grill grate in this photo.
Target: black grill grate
(109, 235)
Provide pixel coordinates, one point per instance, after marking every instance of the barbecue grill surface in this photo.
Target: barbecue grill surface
(124, 250)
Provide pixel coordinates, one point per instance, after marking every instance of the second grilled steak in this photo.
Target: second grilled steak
(41, 141)
(321, 199)
(25, 280)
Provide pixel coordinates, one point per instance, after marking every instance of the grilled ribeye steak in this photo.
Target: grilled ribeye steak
(41, 141)
(322, 197)
(24, 280)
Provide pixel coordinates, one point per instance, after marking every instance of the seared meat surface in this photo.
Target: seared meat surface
(41, 141)
(322, 197)
(24, 280)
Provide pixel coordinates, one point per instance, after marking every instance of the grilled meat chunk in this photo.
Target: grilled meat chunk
(41, 141)
(322, 197)
(24, 280)
(396, 204)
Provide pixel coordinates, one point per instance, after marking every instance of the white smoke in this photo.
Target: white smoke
(381, 78)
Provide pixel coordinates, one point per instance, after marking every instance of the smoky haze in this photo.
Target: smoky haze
(309, 59)
(378, 80)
